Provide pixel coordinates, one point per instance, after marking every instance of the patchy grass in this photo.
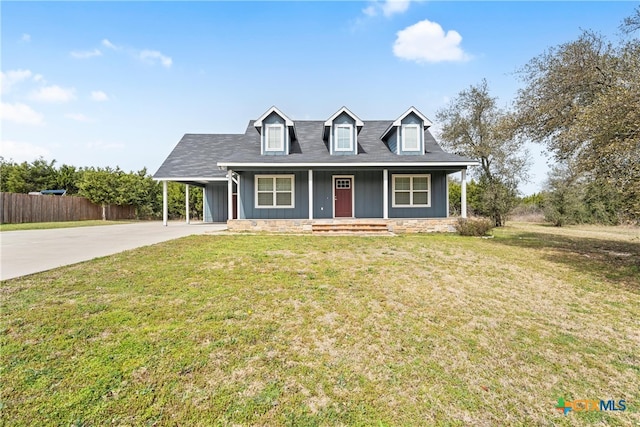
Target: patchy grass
(305, 330)
(61, 224)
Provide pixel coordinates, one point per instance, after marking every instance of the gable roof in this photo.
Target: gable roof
(273, 109)
(330, 120)
(199, 158)
(398, 121)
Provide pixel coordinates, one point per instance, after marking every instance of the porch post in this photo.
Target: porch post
(238, 195)
(165, 204)
(229, 194)
(204, 201)
(310, 194)
(186, 203)
(447, 190)
(463, 194)
(385, 194)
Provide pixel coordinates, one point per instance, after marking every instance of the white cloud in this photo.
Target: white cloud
(53, 94)
(426, 41)
(98, 95)
(150, 56)
(386, 7)
(25, 38)
(23, 151)
(20, 113)
(78, 117)
(13, 77)
(83, 54)
(107, 43)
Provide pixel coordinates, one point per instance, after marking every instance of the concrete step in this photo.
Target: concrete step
(350, 228)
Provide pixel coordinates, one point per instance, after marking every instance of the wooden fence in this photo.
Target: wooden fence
(18, 208)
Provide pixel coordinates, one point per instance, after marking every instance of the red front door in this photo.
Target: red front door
(343, 206)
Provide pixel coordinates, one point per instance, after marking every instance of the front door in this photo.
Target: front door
(343, 197)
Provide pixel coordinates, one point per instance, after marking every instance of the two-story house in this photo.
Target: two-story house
(284, 174)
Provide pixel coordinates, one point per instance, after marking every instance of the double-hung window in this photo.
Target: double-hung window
(274, 138)
(275, 191)
(411, 191)
(344, 138)
(410, 138)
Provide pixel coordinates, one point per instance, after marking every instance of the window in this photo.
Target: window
(274, 191)
(410, 138)
(344, 138)
(274, 138)
(411, 191)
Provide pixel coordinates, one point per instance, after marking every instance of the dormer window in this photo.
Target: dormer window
(274, 137)
(344, 137)
(410, 137)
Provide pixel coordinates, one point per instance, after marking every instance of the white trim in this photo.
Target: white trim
(310, 193)
(274, 192)
(230, 195)
(351, 138)
(237, 195)
(419, 140)
(192, 179)
(330, 120)
(463, 193)
(411, 190)
(385, 194)
(204, 203)
(345, 164)
(186, 203)
(425, 121)
(165, 204)
(258, 122)
(353, 194)
(267, 130)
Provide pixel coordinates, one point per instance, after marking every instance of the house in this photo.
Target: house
(283, 174)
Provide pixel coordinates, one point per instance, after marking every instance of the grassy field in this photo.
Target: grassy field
(61, 224)
(306, 330)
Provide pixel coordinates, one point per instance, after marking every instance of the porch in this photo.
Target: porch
(360, 225)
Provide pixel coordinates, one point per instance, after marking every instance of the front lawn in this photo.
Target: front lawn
(316, 330)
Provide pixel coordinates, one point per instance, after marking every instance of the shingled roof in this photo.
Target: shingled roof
(203, 157)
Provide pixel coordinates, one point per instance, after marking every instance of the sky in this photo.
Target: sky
(119, 83)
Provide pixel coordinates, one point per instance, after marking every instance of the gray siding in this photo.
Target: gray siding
(367, 188)
(438, 207)
(247, 194)
(215, 202)
(344, 119)
(393, 140)
(412, 119)
(274, 118)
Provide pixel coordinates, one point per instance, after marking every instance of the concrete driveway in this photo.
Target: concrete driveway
(32, 251)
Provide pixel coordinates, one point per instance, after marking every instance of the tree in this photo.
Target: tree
(473, 125)
(582, 100)
(100, 186)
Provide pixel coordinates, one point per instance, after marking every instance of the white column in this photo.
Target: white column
(165, 204)
(238, 195)
(186, 203)
(310, 194)
(385, 193)
(463, 194)
(229, 194)
(204, 201)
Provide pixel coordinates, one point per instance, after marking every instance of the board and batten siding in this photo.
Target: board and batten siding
(438, 208)
(367, 187)
(216, 202)
(248, 196)
(274, 118)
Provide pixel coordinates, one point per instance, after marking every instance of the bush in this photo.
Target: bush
(474, 226)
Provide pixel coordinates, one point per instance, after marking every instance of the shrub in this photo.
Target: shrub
(474, 226)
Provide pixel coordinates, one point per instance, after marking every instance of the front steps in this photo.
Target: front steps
(350, 228)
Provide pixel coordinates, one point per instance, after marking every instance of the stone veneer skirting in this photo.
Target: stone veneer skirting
(395, 225)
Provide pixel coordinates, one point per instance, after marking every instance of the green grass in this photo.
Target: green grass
(306, 330)
(61, 224)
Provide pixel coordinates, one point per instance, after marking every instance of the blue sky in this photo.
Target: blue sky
(119, 83)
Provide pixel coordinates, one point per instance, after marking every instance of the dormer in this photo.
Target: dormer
(405, 136)
(276, 132)
(341, 132)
